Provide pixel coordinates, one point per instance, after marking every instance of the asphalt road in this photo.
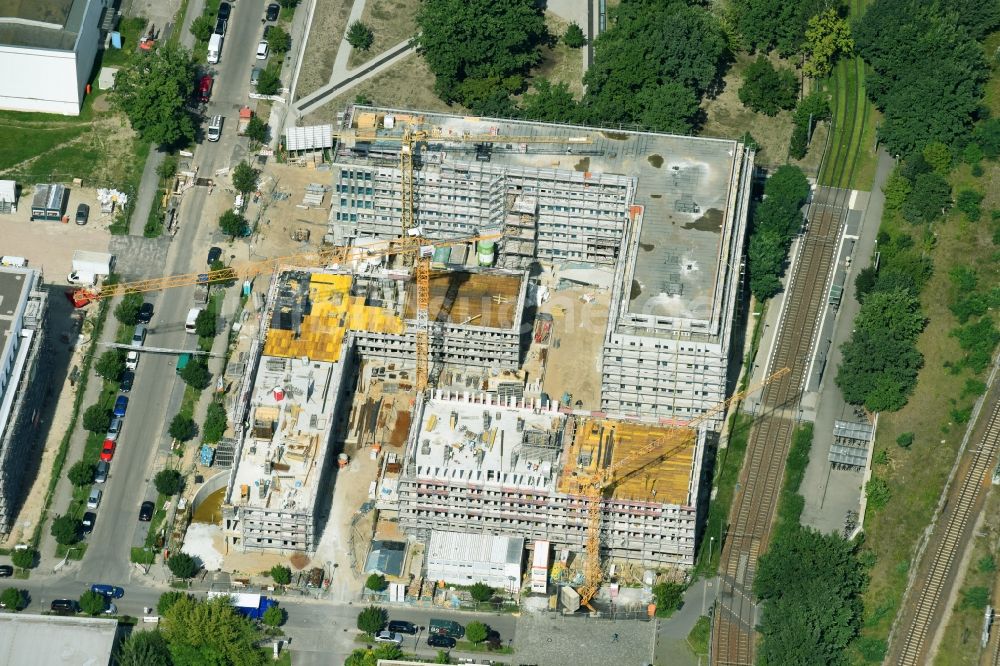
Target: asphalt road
(157, 392)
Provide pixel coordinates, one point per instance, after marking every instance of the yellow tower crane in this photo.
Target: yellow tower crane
(595, 487)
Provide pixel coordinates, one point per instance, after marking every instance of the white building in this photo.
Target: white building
(465, 558)
(47, 52)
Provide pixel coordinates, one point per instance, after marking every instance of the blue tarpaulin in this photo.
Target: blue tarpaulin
(116, 40)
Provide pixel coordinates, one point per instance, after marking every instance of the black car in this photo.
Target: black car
(441, 641)
(125, 385)
(267, 31)
(82, 214)
(224, 9)
(272, 11)
(63, 606)
(214, 254)
(220, 27)
(146, 511)
(88, 522)
(145, 313)
(6, 571)
(402, 627)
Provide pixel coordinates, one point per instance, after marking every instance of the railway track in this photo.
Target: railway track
(951, 535)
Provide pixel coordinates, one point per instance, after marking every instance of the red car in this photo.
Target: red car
(205, 88)
(108, 452)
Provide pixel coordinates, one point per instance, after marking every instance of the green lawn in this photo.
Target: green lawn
(700, 634)
(34, 142)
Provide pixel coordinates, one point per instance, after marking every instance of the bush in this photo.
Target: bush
(376, 583)
(204, 325)
(215, 423)
(65, 529)
(232, 223)
(279, 40)
(182, 428)
(97, 418)
(281, 575)
(574, 37)
(360, 36)
(13, 599)
(269, 82)
(273, 617)
(987, 564)
(168, 167)
(82, 473)
(878, 492)
(905, 440)
(476, 632)
(257, 129)
(975, 597)
(93, 603)
(168, 482)
(372, 620)
(196, 375)
(168, 599)
(127, 310)
(481, 592)
(668, 598)
(25, 559)
(968, 202)
(111, 364)
(768, 90)
(202, 28)
(182, 565)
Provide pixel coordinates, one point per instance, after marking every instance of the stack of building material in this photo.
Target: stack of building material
(314, 195)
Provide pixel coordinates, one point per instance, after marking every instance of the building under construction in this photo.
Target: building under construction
(479, 463)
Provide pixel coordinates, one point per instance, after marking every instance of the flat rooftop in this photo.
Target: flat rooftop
(682, 183)
(477, 299)
(288, 439)
(50, 24)
(662, 475)
(468, 440)
(47, 640)
(14, 286)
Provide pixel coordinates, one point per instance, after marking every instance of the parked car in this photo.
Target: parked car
(267, 31)
(132, 360)
(389, 637)
(205, 84)
(262, 49)
(146, 511)
(441, 641)
(214, 254)
(111, 609)
(139, 335)
(103, 468)
(114, 430)
(88, 522)
(224, 10)
(6, 571)
(402, 627)
(63, 606)
(125, 385)
(220, 27)
(214, 128)
(272, 11)
(110, 591)
(146, 313)
(255, 75)
(82, 214)
(108, 450)
(121, 406)
(94, 498)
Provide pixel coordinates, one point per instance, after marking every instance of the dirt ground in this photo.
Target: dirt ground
(573, 363)
(391, 22)
(409, 86)
(328, 26)
(282, 217)
(560, 63)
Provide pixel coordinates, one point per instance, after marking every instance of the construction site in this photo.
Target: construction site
(480, 271)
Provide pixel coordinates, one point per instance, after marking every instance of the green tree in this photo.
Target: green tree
(476, 632)
(288, 4)
(25, 558)
(938, 156)
(490, 42)
(111, 364)
(144, 648)
(278, 40)
(127, 310)
(481, 592)
(864, 282)
(202, 28)
(196, 374)
(366, 657)
(574, 37)
(360, 36)
(216, 423)
(97, 418)
(550, 103)
(269, 82)
(65, 529)
(93, 603)
(905, 440)
(12, 599)
(167, 168)
(768, 90)
(245, 178)
(182, 427)
(897, 188)
(668, 597)
(372, 620)
(232, 223)
(669, 107)
(927, 201)
(273, 617)
(204, 325)
(281, 574)
(257, 129)
(154, 91)
(975, 597)
(767, 24)
(442, 658)
(968, 201)
(168, 599)
(182, 565)
(827, 36)
(81, 473)
(168, 482)
(376, 582)
(210, 632)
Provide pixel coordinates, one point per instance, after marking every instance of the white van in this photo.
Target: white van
(215, 128)
(214, 49)
(192, 319)
(14, 262)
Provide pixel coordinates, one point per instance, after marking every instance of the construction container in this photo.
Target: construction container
(442, 256)
(486, 251)
(49, 202)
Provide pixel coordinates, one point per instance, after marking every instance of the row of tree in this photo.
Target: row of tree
(774, 223)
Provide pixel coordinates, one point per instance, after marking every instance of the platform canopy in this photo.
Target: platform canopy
(311, 137)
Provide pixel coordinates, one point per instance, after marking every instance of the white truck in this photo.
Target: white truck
(214, 49)
(89, 267)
